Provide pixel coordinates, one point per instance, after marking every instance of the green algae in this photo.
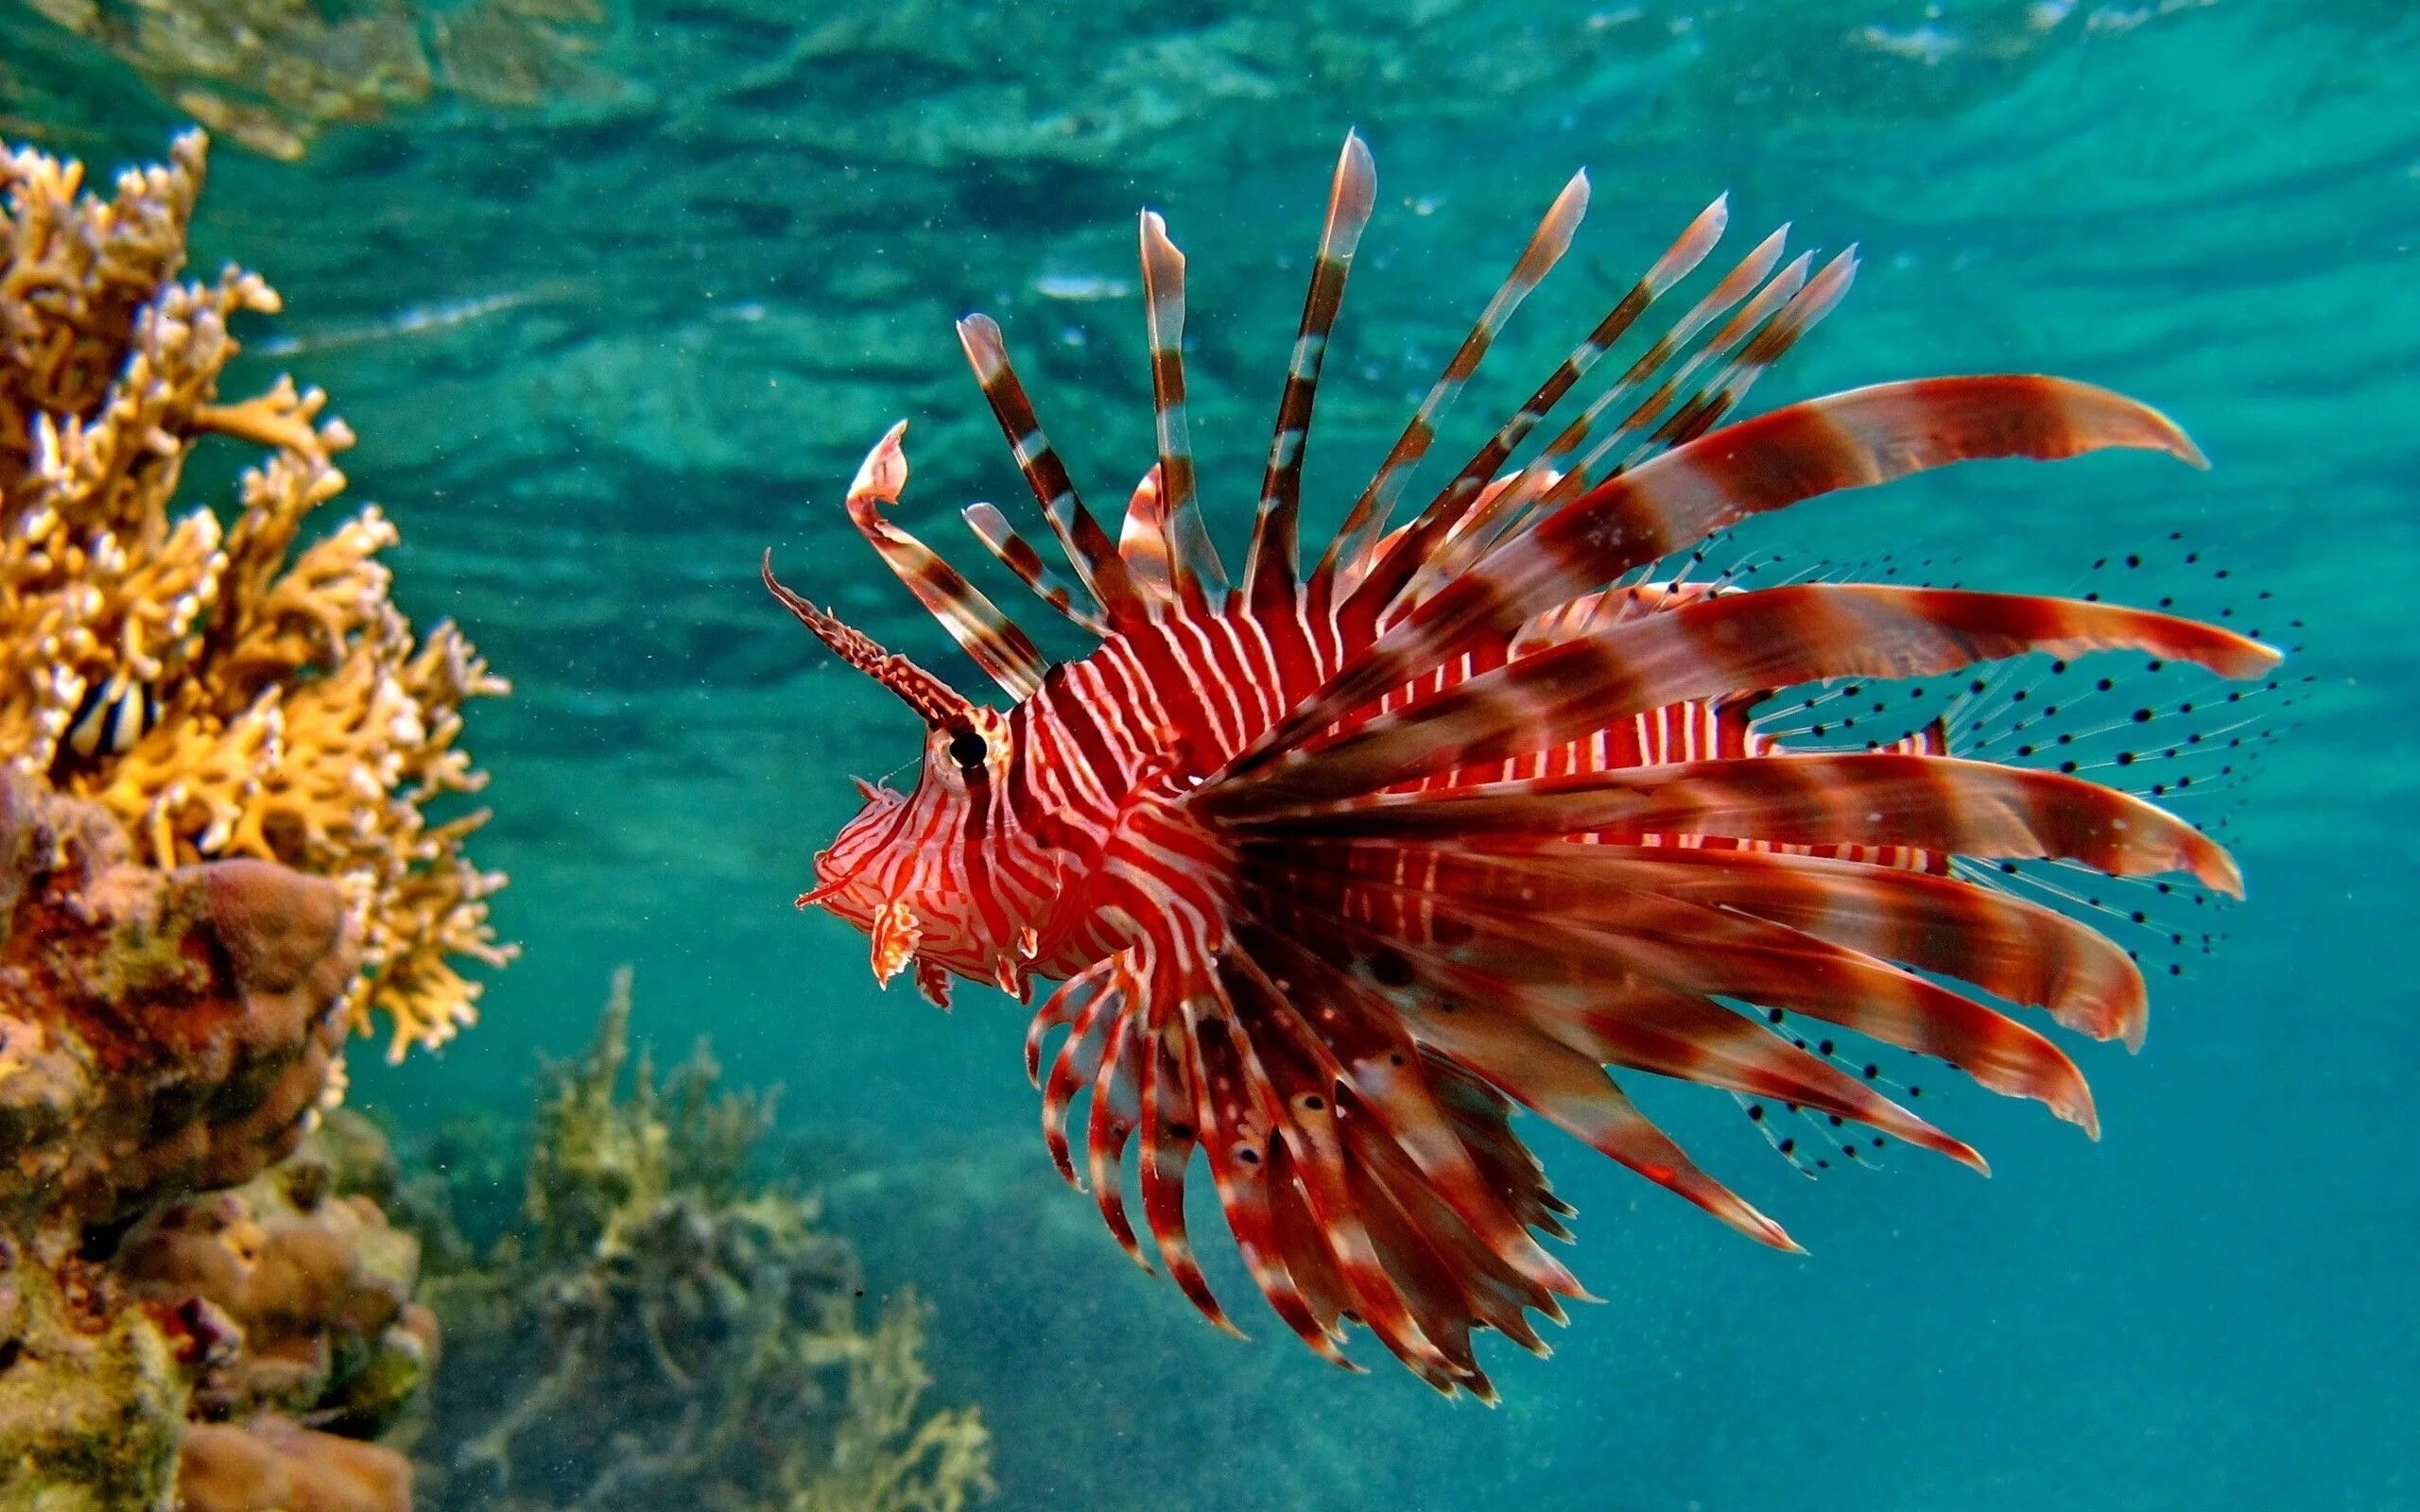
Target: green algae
(92, 1400)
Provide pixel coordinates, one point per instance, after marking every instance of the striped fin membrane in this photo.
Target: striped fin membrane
(1518, 496)
(1096, 560)
(1143, 543)
(1489, 821)
(1017, 555)
(1419, 544)
(1854, 439)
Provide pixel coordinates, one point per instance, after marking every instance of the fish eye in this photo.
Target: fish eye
(967, 749)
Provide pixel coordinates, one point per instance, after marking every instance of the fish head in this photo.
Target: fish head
(899, 870)
(909, 868)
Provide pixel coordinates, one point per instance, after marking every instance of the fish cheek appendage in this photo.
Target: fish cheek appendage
(1511, 802)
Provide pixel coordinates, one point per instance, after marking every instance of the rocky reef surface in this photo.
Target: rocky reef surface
(318, 1287)
(204, 1305)
(182, 1278)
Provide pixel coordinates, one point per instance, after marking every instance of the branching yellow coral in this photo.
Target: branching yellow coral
(222, 691)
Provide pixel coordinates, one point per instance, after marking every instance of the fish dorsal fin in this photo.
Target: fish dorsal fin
(1272, 569)
(1019, 557)
(1089, 550)
(1852, 439)
(1419, 542)
(1766, 327)
(1143, 541)
(1522, 495)
(1003, 651)
(1194, 568)
(1366, 522)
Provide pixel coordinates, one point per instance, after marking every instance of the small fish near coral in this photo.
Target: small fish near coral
(1333, 867)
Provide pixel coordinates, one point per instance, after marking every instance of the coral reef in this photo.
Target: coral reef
(316, 1279)
(159, 1032)
(92, 1403)
(273, 1466)
(273, 73)
(216, 743)
(301, 1262)
(163, 1033)
(660, 1331)
(220, 692)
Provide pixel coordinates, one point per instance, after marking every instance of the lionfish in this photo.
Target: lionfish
(1335, 868)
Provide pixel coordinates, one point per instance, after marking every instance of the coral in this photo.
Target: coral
(318, 1287)
(319, 1282)
(221, 691)
(215, 864)
(163, 1033)
(881, 1457)
(93, 1400)
(273, 74)
(274, 1466)
(661, 1330)
(159, 1032)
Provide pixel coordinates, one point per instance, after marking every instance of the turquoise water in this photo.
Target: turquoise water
(602, 352)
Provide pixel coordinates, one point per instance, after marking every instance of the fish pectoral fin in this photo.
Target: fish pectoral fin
(1009, 975)
(895, 932)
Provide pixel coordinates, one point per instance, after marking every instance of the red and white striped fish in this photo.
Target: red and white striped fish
(1332, 867)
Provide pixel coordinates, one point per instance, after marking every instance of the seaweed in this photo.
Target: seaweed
(660, 1328)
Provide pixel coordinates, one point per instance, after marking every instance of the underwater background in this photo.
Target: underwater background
(607, 339)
